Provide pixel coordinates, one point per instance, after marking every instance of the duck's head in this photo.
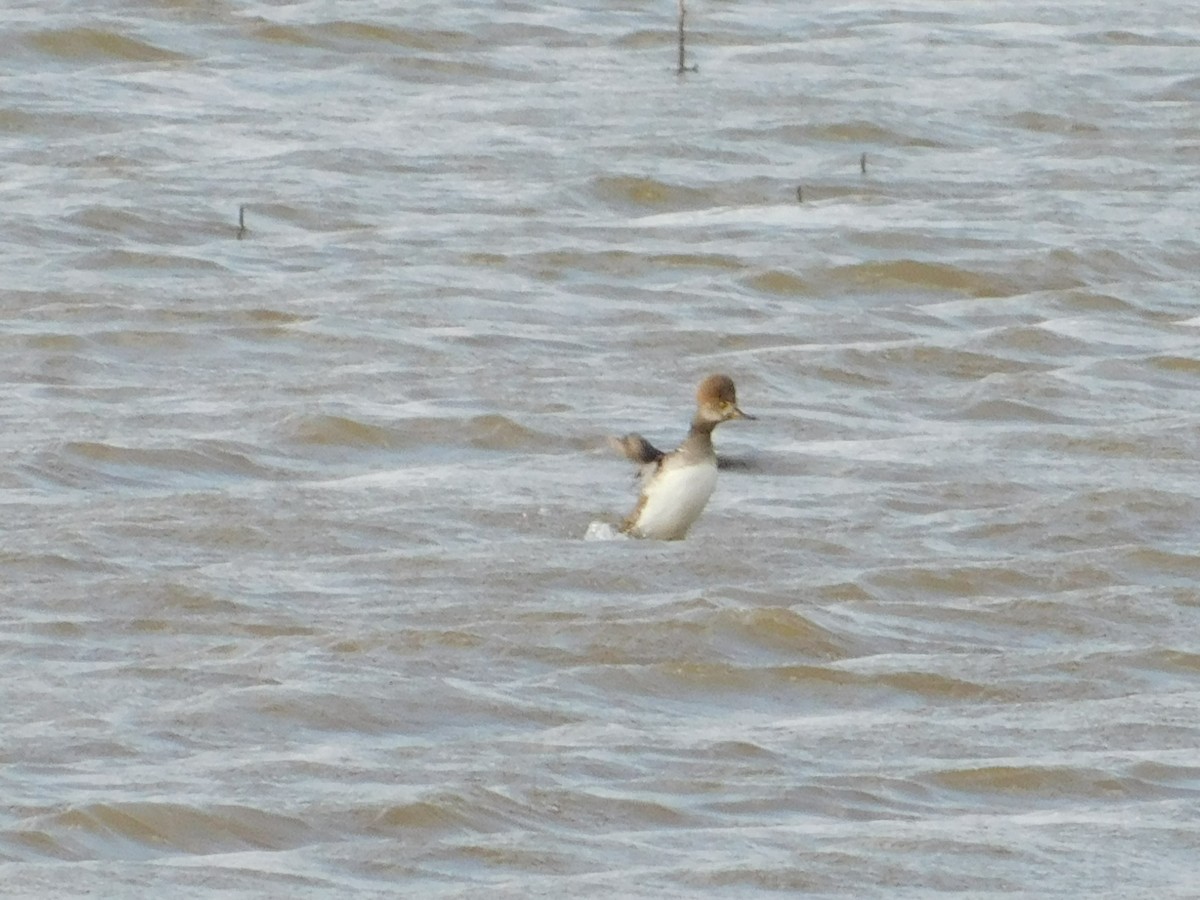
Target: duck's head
(716, 400)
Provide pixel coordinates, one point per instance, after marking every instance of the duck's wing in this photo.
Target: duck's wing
(648, 458)
(636, 448)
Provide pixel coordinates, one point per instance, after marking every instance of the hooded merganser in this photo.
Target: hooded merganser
(676, 486)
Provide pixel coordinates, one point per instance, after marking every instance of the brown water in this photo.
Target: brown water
(296, 596)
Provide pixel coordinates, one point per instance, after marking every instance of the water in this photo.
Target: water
(297, 595)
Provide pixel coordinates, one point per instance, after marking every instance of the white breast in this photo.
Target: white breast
(674, 499)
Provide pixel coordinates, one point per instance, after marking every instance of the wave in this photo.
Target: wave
(92, 45)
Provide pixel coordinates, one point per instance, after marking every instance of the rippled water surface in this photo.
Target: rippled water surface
(297, 599)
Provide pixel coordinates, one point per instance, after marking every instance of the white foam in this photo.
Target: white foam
(602, 531)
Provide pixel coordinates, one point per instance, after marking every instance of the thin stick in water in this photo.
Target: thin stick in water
(241, 232)
(862, 163)
(799, 193)
(683, 67)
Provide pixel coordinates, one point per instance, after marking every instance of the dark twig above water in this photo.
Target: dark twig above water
(683, 67)
(862, 163)
(241, 232)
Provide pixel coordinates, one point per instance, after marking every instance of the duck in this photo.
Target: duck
(676, 486)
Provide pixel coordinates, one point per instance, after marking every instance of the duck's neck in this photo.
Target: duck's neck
(698, 444)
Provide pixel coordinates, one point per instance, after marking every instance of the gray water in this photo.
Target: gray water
(296, 595)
